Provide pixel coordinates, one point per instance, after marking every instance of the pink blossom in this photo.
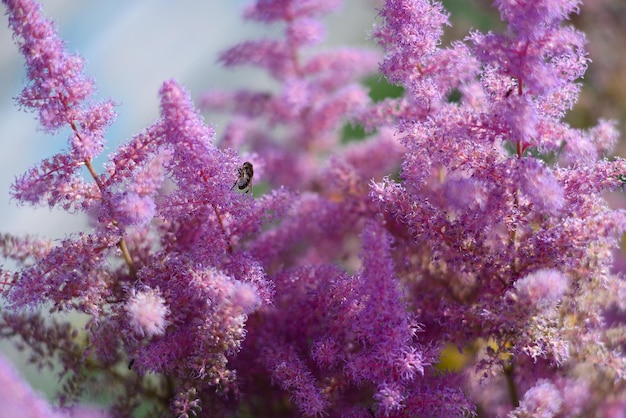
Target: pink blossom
(542, 400)
(245, 297)
(462, 211)
(389, 399)
(542, 288)
(541, 186)
(132, 209)
(147, 312)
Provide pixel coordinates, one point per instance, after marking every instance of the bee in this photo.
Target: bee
(244, 177)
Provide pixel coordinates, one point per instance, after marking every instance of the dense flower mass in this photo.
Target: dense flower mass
(454, 260)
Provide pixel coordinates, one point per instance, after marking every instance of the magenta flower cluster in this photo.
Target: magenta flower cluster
(456, 261)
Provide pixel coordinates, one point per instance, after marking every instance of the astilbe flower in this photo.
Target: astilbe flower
(59, 91)
(341, 296)
(147, 312)
(287, 133)
(162, 274)
(538, 225)
(337, 334)
(542, 400)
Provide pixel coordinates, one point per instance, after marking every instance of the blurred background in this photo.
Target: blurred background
(131, 47)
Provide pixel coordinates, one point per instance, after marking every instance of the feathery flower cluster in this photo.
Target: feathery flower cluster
(471, 216)
(147, 312)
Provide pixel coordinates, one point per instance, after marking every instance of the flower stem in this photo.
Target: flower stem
(510, 381)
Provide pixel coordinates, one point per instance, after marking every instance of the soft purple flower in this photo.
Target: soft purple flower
(530, 17)
(542, 401)
(132, 209)
(147, 312)
(389, 399)
(411, 364)
(466, 194)
(245, 297)
(542, 288)
(576, 395)
(470, 214)
(541, 186)
(305, 31)
(58, 85)
(291, 374)
(61, 94)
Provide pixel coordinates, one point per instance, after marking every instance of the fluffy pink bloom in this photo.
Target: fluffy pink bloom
(541, 401)
(58, 82)
(460, 210)
(147, 312)
(245, 297)
(411, 31)
(542, 288)
(540, 185)
(60, 92)
(524, 17)
(132, 209)
(411, 364)
(605, 136)
(389, 398)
